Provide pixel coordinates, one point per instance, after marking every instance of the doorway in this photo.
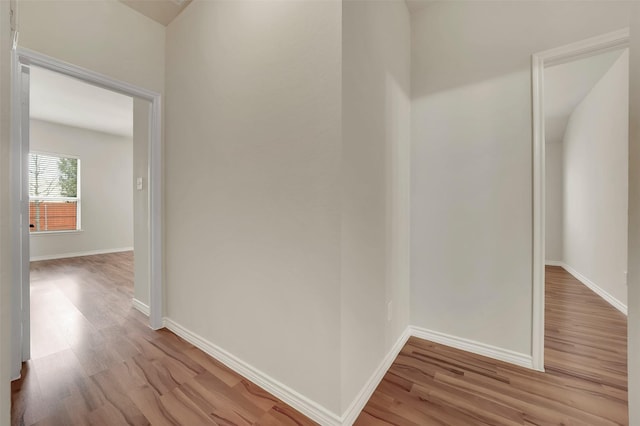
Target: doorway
(24, 208)
(580, 181)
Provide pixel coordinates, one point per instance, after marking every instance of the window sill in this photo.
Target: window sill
(37, 234)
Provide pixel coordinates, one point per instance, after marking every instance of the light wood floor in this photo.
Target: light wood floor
(585, 382)
(95, 361)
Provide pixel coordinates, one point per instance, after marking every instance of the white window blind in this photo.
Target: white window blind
(54, 193)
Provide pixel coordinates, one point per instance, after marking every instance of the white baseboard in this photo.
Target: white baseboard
(352, 413)
(554, 263)
(316, 411)
(296, 400)
(142, 307)
(506, 355)
(79, 254)
(596, 289)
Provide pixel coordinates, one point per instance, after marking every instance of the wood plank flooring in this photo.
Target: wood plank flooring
(95, 361)
(585, 382)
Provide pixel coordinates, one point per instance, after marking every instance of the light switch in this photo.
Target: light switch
(139, 184)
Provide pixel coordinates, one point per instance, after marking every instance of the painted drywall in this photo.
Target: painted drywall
(566, 85)
(106, 185)
(471, 187)
(101, 35)
(375, 185)
(554, 202)
(141, 111)
(5, 231)
(252, 168)
(633, 319)
(596, 183)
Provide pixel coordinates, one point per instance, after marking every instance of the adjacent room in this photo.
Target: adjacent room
(587, 186)
(80, 208)
(84, 211)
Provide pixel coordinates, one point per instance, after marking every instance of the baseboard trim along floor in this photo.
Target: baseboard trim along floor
(314, 410)
(608, 297)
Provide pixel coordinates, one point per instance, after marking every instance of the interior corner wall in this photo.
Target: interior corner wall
(633, 319)
(596, 182)
(471, 185)
(141, 247)
(554, 203)
(5, 230)
(375, 186)
(106, 190)
(104, 36)
(253, 131)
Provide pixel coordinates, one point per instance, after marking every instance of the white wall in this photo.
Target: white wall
(253, 150)
(375, 185)
(596, 183)
(105, 36)
(141, 287)
(5, 230)
(294, 199)
(554, 203)
(106, 184)
(633, 319)
(471, 185)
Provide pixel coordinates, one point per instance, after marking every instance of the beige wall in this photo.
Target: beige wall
(553, 201)
(596, 182)
(252, 185)
(471, 159)
(375, 185)
(106, 184)
(634, 219)
(101, 35)
(5, 234)
(291, 198)
(141, 111)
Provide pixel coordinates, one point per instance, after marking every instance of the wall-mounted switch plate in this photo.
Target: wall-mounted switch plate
(139, 184)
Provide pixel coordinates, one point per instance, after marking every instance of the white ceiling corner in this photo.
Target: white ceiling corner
(161, 11)
(566, 85)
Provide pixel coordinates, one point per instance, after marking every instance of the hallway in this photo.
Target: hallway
(585, 380)
(96, 362)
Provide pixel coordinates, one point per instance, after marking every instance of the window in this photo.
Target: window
(54, 193)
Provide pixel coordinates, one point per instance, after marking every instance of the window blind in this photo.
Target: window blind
(54, 203)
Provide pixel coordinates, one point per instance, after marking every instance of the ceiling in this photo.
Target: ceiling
(566, 85)
(60, 99)
(161, 11)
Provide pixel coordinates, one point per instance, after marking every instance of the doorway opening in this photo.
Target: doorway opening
(86, 181)
(81, 215)
(580, 187)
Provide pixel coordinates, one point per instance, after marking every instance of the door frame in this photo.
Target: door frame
(22, 59)
(539, 61)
